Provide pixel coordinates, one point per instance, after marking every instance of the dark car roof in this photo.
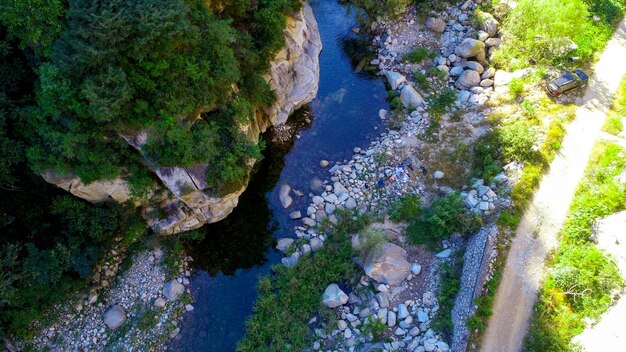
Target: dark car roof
(566, 78)
(582, 75)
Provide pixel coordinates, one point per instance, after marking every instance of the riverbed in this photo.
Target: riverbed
(240, 249)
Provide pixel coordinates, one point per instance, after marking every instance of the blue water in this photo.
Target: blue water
(239, 249)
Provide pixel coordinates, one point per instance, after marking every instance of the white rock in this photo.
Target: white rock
(394, 79)
(410, 97)
(173, 289)
(115, 317)
(334, 296)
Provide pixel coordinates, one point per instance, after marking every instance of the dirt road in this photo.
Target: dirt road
(537, 231)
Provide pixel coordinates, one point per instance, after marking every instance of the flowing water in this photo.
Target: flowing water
(239, 249)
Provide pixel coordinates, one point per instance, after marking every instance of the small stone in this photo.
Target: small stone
(391, 319)
(438, 175)
(324, 163)
(316, 244)
(188, 307)
(342, 325)
(173, 333)
(416, 269)
(403, 312)
(159, 302)
(422, 316)
(444, 254)
(295, 215)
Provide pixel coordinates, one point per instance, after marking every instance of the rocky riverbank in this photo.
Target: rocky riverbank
(410, 158)
(126, 309)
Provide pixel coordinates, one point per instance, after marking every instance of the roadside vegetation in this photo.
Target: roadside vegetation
(583, 281)
(290, 297)
(554, 32)
(614, 123)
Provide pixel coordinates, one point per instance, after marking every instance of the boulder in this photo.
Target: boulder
(493, 42)
(350, 204)
(473, 65)
(436, 24)
(456, 71)
(502, 78)
(283, 195)
(173, 289)
(410, 97)
(334, 296)
(462, 96)
(468, 79)
(115, 317)
(486, 82)
(472, 48)
(284, 244)
(386, 263)
(490, 25)
(316, 244)
(295, 215)
(394, 79)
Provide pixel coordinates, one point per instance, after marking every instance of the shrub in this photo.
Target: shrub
(516, 88)
(375, 327)
(406, 208)
(450, 287)
(613, 124)
(446, 215)
(517, 140)
(368, 240)
(422, 81)
(441, 102)
(418, 55)
(582, 279)
(544, 31)
(287, 301)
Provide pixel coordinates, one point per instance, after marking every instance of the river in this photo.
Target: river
(239, 249)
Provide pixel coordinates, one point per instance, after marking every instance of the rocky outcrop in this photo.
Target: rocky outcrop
(294, 77)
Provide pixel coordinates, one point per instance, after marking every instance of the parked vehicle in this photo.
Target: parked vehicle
(566, 82)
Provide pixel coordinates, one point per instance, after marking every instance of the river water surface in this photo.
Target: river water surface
(239, 249)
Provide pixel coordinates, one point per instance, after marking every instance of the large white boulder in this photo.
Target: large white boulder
(394, 79)
(386, 263)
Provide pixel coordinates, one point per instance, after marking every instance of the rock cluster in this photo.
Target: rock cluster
(118, 301)
(407, 325)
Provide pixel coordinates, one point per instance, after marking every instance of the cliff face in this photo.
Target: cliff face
(184, 204)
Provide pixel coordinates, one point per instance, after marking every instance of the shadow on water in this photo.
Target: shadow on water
(239, 249)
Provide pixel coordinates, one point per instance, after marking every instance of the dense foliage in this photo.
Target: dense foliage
(582, 279)
(555, 31)
(78, 76)
(288, 300)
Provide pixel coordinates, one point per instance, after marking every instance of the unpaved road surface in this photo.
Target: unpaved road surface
(538, 229)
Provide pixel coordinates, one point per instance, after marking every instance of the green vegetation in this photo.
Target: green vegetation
(450, 287)
(582, 280)
(555, 31)
(76, 76)
(375, 327)
(614, 123)
(66, 237)
(368, 239)
(440, 102)
(446, 215)
(288, 299)
(407, 207)
(418, 55)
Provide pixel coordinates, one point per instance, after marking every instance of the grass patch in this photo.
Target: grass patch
(441, 102)
(288, 299)
(582, 279)
(450, 287)
(418, 55)
(614, 123)
(445, 216)
(554, 32)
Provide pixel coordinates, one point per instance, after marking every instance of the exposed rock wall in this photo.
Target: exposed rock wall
(293, 75)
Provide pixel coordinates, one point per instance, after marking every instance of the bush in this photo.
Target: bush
(517, 140)
(553, 31)
(422, 81)
(446, 215)
(582, 279)
(441, 102)
(287, 301)
(368, 240)
(406, 208)
(418, 55)
(516, 88)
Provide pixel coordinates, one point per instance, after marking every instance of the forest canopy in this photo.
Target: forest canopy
(76, 77)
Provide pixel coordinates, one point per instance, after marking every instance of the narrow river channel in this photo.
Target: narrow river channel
(239, 249)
